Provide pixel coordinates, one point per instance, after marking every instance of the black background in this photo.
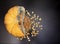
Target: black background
(47, 9)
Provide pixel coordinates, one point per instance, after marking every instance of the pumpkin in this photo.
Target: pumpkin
(13, 21)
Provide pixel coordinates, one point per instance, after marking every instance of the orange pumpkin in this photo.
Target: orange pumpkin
(13, 25)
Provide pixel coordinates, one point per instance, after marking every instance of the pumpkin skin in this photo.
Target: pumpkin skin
(12, 24)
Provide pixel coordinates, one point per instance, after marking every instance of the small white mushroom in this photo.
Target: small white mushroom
(36, 24)
(40, 19)
(32, 12)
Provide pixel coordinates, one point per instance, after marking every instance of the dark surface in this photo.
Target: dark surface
(47, 9)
